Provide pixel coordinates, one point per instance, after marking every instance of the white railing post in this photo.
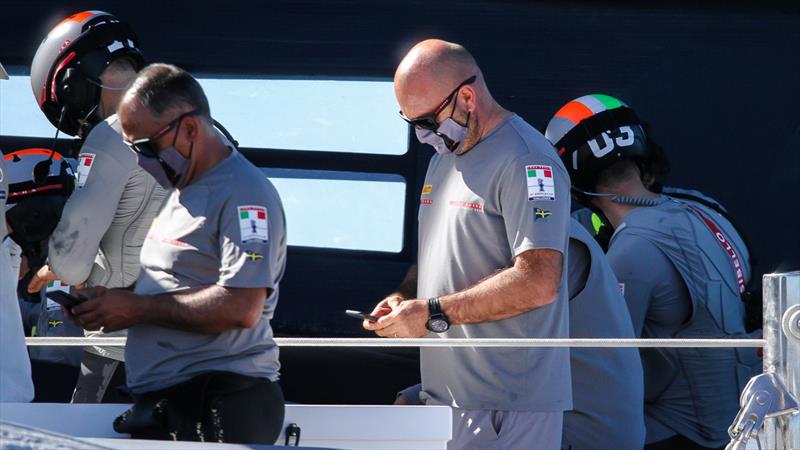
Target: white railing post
(782, 353)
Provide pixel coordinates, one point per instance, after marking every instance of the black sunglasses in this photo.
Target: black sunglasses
(428, 121)
(146, 146)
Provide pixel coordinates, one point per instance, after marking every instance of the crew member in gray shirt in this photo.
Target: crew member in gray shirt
(493, 233)
(100, 234)
(606, 382)
(682, 264)
(200, 346)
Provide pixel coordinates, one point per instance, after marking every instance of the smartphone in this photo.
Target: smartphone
(360, 315)
(66, 300)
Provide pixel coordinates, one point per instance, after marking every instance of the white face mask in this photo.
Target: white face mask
(448, 137)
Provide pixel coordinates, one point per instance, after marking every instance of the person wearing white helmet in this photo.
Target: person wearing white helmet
(34, 186)
(78, 76)
(683, 265)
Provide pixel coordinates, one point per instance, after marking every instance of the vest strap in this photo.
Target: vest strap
(725, 243)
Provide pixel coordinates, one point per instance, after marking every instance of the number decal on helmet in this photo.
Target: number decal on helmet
(625, 139)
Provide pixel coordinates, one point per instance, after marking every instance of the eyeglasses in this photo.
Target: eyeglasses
(146, 146)
(428, 121)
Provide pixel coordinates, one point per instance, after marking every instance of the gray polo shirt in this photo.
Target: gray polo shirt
(478, 211)
(226, 228)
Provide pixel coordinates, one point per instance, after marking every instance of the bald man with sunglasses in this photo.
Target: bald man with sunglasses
(493, 235)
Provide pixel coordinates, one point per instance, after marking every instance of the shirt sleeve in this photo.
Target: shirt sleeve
(579, 263)
(535, 204)
(88, 213)
(250, 226)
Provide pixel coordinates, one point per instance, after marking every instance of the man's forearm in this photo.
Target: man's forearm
(408, 287)
(531, 283)
(213, 309)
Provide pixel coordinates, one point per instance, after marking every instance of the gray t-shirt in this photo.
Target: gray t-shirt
(478, 211)
(226, 228)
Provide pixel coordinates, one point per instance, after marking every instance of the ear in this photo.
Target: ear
(191, 126)
(468, 97)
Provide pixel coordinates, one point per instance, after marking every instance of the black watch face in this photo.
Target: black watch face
(438, 325)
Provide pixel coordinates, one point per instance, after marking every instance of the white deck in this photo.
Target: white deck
(330, 426)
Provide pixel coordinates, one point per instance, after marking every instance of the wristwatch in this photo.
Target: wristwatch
(437, 321)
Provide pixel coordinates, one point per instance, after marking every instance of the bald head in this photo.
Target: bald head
(429, 72)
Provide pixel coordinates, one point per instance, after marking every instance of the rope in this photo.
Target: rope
(437, 342)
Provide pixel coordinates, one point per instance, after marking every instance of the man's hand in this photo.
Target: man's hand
(109, 309)
(40, 279)
(382, 308)
(399, 318)
(402, 400)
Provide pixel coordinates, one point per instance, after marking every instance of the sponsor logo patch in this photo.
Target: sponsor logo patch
(175, 242)
(253, 223)
(540, 182)
(85, 161)
(56, 285)
(622, 288)
(540, 214)
(426, 201)
(468, 205)
(427, 189)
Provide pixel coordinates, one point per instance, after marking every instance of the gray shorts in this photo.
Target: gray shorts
(506, 430)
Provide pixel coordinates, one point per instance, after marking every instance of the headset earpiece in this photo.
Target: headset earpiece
(74, 90)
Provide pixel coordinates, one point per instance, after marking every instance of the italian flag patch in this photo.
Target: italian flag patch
(540, 182)
(253, 223)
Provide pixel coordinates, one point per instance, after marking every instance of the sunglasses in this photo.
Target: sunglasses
(146, 146)
(428, 121)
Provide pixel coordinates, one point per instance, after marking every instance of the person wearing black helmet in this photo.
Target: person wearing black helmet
(78, 75)
(15, 367)
(681, 263)
(40, 181)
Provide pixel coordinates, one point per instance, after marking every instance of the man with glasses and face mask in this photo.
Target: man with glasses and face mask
(200, 359)
(494, 227)
(78, 76)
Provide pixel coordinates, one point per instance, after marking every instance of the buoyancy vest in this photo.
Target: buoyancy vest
(607, 383)
(695, 391)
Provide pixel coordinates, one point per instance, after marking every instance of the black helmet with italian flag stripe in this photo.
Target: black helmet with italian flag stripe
(593, 132)
(65, 72)
(39, 183)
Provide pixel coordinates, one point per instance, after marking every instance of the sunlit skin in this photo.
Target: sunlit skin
(629, 187)
(427, 74)
(430, 71)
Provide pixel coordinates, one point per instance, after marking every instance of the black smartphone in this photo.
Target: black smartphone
(360, 315)
(66, 300)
